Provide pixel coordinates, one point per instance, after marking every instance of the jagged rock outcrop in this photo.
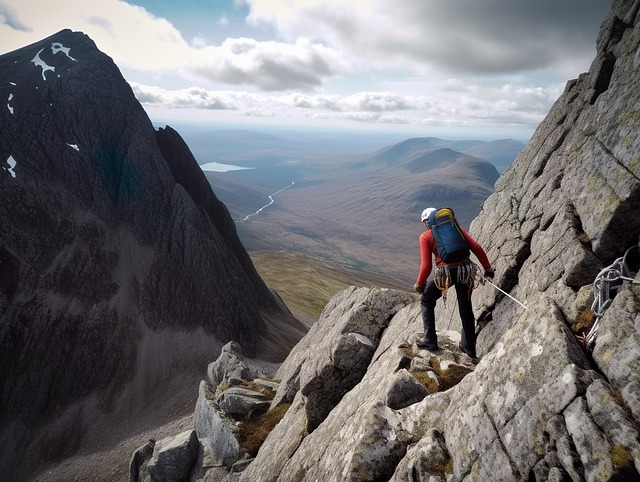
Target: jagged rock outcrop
(334, 355)
(122, 273)
(327, 363)
(167, 459)
(538, 406)
(213, 449)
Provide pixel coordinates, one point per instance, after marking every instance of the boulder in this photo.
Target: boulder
(405, 390)
(229, 365)
(241, 403)
(349, 330)
(139, 461)
(428, 456)
(171, 458)
(364, 325)
(215, 430)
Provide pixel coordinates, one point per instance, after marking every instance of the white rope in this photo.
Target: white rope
(609, 279)
(504, 292)
(478, 278)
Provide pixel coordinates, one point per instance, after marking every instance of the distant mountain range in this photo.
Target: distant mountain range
(284, 148)
(359, 210)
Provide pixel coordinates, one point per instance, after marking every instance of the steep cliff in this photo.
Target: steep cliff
(121, 272)
(367, 404)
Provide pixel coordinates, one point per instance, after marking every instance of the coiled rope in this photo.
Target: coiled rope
(608, 280)
(466, 273)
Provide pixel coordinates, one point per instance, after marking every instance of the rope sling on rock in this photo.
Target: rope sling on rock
(609, 279)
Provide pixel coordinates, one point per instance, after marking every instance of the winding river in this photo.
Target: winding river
(271, 201)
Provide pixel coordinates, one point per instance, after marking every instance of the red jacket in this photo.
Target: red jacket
(428, 248)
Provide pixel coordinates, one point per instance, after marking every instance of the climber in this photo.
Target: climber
(460, 273)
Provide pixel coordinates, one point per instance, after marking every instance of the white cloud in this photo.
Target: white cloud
(269, 65)
(199, 42)
(129, 34)
(504, 105)
(492, 36)
(192, 97)
(8, 16)
(378, 101)
(256, 112)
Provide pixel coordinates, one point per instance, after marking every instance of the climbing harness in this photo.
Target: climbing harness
(442, 280)
(466, 273)
(609, 279)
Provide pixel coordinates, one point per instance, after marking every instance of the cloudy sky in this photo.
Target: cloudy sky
(454, 68)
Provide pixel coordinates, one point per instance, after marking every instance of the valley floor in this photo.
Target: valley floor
(306, 284)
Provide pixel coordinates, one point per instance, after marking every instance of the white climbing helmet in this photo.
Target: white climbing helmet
(425, 214)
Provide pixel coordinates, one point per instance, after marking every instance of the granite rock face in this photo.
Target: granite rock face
(121, 271)
(568, 206)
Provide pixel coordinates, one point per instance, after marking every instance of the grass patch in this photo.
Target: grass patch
(306, 283)
(253, 386)
(621, 457)
(451, 376)
(584, 321)
(446, 378)
(428, 382)
(584, 239)
(253, 432)
(441, 469)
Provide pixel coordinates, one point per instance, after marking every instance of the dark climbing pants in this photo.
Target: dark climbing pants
(430, 295)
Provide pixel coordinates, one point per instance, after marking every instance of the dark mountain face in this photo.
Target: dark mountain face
(115, 255)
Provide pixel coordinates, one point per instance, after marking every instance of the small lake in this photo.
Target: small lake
(218, 167)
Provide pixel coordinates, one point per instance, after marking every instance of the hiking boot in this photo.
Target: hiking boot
(428, 345)
(469, 353)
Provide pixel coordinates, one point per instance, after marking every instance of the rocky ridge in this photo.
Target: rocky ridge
(539, 405)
